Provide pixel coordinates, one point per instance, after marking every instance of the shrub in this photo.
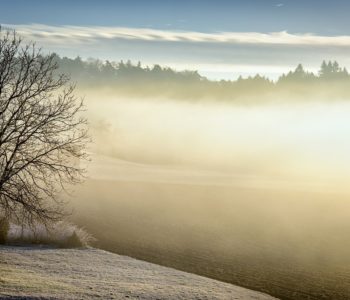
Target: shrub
(4, 229)
(61, 234)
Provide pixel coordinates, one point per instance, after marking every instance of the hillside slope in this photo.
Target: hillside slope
(46, 273)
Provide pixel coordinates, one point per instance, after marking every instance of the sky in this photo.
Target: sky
(220, 38)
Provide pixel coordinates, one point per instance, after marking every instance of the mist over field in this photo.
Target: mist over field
(299, 141)
(236, 192)
(243, 180)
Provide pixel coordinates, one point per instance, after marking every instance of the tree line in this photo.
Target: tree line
(95, 70)
(107, 71)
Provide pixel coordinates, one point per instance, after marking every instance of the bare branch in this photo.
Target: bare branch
(42, 133)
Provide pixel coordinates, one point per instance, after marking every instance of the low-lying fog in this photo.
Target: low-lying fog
(300, 141)
(216, 186)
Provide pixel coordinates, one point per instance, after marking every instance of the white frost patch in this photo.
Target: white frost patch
(48, 273)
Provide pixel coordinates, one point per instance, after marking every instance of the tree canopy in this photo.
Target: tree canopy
(42, 135)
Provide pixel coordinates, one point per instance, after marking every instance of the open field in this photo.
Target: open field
(287, 239)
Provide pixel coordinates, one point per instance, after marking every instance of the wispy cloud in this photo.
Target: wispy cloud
(90, 34)
(279, 5)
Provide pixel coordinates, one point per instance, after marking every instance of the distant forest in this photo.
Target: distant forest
(331, 82)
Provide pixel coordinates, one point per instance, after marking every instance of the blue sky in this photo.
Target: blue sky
(295, 16)
(217, 59)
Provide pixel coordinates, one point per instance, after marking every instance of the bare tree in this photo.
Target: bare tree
(42, 133)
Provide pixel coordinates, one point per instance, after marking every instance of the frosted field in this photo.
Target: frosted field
(43, 273)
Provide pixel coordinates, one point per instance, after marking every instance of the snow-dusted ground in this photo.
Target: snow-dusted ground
(46, 273)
